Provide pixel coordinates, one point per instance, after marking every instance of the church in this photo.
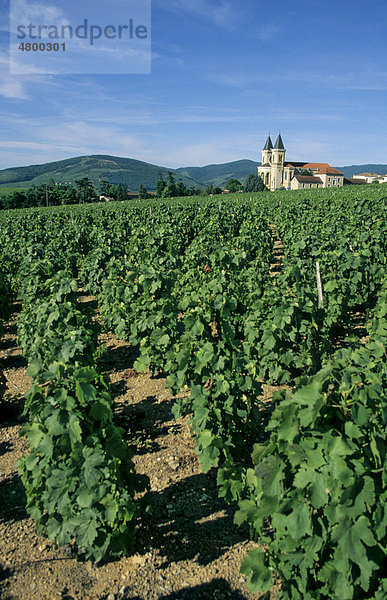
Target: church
(279, 174)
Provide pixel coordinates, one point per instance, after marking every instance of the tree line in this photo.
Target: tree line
(171, 189)
(83, 191)
(57, 194)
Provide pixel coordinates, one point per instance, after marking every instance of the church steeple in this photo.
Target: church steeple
(266, 152)
(269, 143)
(279, 145)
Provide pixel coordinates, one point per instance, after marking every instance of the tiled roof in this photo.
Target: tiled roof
(353, 181)
(311, 165)
(329, 171)
(307, 165)
(307, 179)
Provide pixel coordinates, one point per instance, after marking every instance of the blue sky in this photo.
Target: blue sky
(224, 74)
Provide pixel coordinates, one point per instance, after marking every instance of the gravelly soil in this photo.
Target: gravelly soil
(187, 544)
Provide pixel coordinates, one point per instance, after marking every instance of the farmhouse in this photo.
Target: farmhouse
(280, 174)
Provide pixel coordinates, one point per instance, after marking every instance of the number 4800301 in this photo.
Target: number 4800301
(42, 47)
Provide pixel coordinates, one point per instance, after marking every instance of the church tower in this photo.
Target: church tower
(264, 169)
(266, 152)
(277, 164)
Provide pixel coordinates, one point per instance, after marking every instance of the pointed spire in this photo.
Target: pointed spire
(269, 144)
(279, 145)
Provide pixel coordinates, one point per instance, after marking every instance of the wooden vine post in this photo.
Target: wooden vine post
(319, 285)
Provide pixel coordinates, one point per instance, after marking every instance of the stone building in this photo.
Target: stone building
(277, 173)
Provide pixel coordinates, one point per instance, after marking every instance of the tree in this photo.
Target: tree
(170, 190)
(160, 186)
(122, 192)
(69, 195)
(306, 173)
(15, 200)
(181, 189)
(4, 202)
(254, 183)
(210, 189)
(38, 195)
(103, 187)
(194, 191)
(233, 185)
(85, 191)
(112, 191)
(143, 192)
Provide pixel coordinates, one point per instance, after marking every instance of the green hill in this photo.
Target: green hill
(97, 167)
(218, 174)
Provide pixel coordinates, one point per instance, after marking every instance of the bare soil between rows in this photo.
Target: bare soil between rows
(187, 544)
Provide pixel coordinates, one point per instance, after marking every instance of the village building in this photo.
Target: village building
(371, 177)
(277, 173)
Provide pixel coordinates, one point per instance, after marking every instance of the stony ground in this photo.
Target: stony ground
(187, 545)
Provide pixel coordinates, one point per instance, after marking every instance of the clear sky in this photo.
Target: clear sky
(224, 74)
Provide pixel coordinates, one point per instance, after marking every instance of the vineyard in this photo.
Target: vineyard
(223, 300)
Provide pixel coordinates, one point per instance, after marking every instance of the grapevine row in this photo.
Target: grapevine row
(79, 478)
(319, 483)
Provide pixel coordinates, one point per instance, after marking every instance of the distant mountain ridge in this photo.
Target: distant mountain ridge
(352, 170)
(219, 174)
(134, 172)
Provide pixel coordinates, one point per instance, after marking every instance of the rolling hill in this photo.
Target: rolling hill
(97, 167)
(133, 172)
(218, 174)
(122, 170)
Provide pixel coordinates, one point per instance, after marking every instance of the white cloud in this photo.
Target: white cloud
(222, 13)
(24, 145)
(11, 87)
(23, 12)
(55, 141)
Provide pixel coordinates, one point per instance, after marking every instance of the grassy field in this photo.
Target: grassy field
(7, 191)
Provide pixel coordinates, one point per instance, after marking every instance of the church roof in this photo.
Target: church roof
(329, 171)
(294, 164)
(269, 144)
(307, 179)
(279, 145)
(319, 166)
